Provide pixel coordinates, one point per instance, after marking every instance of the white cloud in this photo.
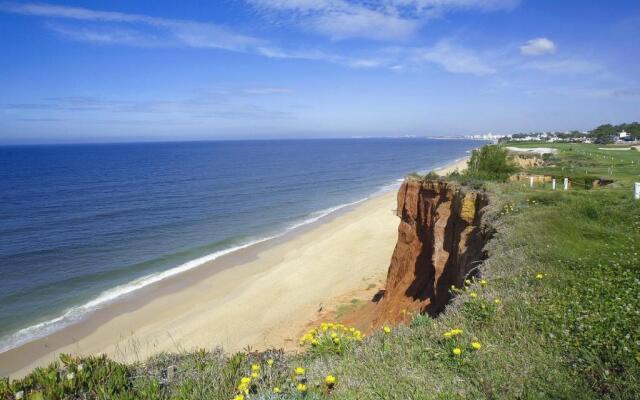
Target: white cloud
(455, 59)
(189, 33)
(370, 19)
(538, 47)
(110, 28)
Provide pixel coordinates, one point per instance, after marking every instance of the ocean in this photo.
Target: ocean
(82, 225)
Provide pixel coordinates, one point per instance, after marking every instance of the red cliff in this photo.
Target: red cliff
(439, 242)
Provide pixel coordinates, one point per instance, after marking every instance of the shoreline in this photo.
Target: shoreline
(257, 296)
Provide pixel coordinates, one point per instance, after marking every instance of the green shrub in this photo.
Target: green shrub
(490, 163)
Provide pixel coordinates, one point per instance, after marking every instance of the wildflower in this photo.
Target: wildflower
(299, 371)
(19, 395)
(245, 380)
(80, 367)
(476, 345)
(448, 334)
(457, 351)
(539, 276)
(497, 301)
(334, 335)
(255, 367)
(301, 387)
(238, 397)
(330, 380)
(467, 282)
(386, 330)
(483, 282)
(473, 294)
(270, 362)
(276, 390)
(456, 331)
(70, 376)
(336, 340)
(315, 342)
(254, 375)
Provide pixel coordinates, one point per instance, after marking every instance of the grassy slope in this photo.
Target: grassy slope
(574, 333)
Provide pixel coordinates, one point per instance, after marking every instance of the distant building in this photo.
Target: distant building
(623, 135)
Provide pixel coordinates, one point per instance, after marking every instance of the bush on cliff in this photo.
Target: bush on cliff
(490, 163)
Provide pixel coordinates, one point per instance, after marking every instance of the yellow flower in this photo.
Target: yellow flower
(254, 375)
(467, 281)
(276, 390)
(245, 380)
(238, 397)
(448, 334)
(539, 276)
(299, 371)
(301, 387)
(270, 362)
(476, 345)
(386, 330)
(457, 351)
(330, 380)
(255, 367)
(336, 340)
(497, 301)
(483, 282)
(315, 342)
(334, 335)
(473, 294)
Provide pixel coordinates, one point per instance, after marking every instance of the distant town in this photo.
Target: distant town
(604, 134)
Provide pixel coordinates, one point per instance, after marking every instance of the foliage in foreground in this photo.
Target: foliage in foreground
(555, 315)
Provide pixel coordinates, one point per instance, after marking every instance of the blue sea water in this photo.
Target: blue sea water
(81, 225)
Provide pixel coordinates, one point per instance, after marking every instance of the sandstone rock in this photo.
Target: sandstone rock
(439, 242)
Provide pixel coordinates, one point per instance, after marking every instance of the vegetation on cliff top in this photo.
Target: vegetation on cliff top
(490, 163)
(555, 314)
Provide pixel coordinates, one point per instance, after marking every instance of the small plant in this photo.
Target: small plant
(331, 338)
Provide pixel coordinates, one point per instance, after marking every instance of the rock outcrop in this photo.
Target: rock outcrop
(439, 242)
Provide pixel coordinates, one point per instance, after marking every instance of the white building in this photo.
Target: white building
(623, 135)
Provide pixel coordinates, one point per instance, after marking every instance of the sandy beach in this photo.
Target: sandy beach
(261, 296)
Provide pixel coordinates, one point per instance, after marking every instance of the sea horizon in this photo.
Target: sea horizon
(248, 139)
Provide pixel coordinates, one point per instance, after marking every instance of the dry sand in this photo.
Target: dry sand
(261, 297)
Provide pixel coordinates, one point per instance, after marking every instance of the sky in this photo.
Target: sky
(121, 70)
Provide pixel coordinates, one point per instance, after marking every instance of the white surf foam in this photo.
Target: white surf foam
(75, 314)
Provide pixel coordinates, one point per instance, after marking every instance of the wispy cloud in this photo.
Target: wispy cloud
(378, 20)
(267, 91)
(206, 104)
(455, 59)
(359, 19)
(538, 47)
(172, 31)
(564, 66)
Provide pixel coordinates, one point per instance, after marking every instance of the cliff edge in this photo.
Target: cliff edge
(440, 241)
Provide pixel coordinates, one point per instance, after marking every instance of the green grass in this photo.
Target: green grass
(574, 333)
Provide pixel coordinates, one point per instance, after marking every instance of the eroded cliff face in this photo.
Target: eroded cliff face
(439, 241)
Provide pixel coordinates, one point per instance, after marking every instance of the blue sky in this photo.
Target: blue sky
(148, 70)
